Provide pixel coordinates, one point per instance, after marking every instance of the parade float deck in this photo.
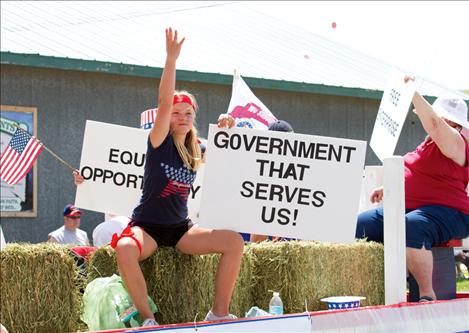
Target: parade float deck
(436, 316)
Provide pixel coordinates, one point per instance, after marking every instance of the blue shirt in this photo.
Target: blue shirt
(166, 186)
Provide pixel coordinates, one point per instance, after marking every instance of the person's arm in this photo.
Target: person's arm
(447, 138)
(166, 90)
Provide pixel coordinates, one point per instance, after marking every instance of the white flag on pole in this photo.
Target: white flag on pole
(246, 108)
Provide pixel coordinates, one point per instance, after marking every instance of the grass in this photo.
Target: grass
(463, 285)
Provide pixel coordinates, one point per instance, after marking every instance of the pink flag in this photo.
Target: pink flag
(246, 108)
(19, 156)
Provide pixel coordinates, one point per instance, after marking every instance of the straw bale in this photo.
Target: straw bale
(41, 285)
(40, 290)
(102, 263)
(309, 271)
(182, 286)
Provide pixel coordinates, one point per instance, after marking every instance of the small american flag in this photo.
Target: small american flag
(147, 118)
(179, 181)
(19, 156)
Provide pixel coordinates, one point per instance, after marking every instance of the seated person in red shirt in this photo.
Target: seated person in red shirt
(436, 177)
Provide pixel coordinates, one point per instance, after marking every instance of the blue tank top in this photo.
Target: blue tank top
(166, 185)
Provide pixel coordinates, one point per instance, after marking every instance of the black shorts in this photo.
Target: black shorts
(164, 234)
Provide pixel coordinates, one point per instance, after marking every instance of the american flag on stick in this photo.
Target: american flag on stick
(19, 156)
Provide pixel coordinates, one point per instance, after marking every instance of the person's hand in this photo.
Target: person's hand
(226, 120)
(376, 195)
(408, 78)
(173, 46)
(78, 178)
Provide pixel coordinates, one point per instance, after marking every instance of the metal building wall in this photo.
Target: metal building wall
(66, 99)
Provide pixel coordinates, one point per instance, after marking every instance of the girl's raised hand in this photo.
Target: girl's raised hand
(173, 46)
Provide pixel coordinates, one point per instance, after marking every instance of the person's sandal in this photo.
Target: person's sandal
(211, 316)
(424, 299)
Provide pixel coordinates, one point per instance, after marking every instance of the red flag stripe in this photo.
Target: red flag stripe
(28, 167)
(7, 175)
(9, 162)
(30, 154)
(6, 156)
(35, 150)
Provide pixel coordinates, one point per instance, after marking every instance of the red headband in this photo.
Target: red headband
(183, 98)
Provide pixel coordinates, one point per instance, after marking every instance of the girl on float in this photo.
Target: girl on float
(161, 217)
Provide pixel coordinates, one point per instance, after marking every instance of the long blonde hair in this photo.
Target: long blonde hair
(190, 152)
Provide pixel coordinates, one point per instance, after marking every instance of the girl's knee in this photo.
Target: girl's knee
(238, 242)
(234, 242)
(127, 249)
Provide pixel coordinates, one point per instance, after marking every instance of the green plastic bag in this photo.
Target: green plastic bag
(104, 301)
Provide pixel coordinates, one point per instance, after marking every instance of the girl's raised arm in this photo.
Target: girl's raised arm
(166, 91)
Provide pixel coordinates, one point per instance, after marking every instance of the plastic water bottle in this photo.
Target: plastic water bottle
(276, 305)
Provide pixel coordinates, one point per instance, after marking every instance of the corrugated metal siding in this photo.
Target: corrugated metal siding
(220, 37)
(66, 99)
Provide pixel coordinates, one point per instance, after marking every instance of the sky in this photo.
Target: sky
(429, 38)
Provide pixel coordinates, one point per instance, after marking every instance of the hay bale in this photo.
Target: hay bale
(40, 290)
(40, 283)
(312, 270)
(102, 263)
(182, 286)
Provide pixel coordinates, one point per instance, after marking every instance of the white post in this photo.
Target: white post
(394, 231)
(2, 239)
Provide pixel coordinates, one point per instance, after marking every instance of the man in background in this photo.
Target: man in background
(70, 233)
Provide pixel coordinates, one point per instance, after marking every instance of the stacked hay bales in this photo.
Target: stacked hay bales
(40, 289)
(41, 284)
(182, 286)
(311, 270)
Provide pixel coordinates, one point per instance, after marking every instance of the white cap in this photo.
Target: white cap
(276, 294)
(454, 109)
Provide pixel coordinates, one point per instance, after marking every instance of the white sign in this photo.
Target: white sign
(193, 203)
(372, 178)
(112, 160)
(282, 184)
(391, 115)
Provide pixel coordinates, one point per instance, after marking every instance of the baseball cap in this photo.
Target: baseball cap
(70, 210)
(280, 126)
(454, 109)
